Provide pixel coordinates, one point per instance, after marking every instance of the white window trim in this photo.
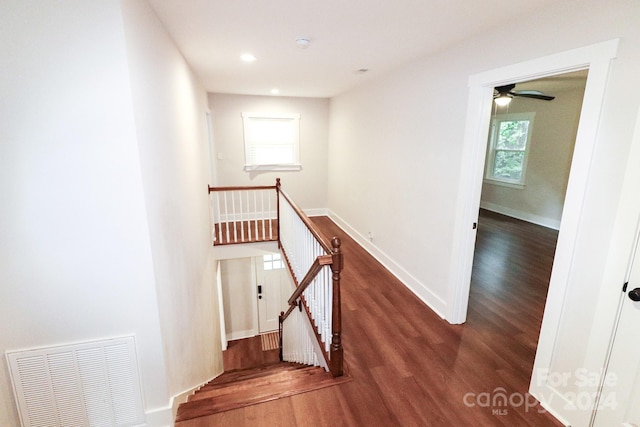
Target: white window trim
(295, 123)
(491, 151)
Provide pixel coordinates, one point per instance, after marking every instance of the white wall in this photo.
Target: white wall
(76, 260)
(239, 296)
(307, 187)
(397, 142)
(552, 140)
(105, 228)
(170, 112)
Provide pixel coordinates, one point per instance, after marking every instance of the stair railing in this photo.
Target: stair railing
(315, 265)
(244, 214)
(267, 213)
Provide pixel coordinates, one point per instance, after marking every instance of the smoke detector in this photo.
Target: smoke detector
(303, 42)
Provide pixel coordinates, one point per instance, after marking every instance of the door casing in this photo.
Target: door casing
(596, 58)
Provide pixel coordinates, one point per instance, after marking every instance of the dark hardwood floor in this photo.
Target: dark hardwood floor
(411, 368)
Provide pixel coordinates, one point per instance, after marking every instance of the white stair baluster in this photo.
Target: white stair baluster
(226, 214)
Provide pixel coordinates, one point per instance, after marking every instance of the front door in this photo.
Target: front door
(271, 278)
(620, 398)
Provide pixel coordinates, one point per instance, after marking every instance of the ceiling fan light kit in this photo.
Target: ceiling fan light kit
(502, 100)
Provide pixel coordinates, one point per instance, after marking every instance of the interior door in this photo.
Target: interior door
(271, 276)
(619, 403)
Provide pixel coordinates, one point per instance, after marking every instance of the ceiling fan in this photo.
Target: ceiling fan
(506, 93)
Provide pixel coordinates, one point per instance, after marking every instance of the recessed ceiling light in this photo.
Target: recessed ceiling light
(247, 57)
(361, 70)
(275, 91)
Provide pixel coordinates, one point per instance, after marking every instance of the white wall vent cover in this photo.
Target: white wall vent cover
(88, 384)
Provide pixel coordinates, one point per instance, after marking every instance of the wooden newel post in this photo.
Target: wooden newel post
(280, 343)
(278, 211)
(335, 357)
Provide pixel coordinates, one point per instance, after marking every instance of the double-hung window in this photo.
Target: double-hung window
(271, 141)
(509, 143)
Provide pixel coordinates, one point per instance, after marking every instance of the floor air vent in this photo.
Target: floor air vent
(88, 384)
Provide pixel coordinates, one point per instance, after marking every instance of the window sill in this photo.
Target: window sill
(504, 183)
(250, 168)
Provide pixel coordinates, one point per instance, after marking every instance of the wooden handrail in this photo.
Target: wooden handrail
(239, 188)
(311, 226)
(317, 265)
(284, 315)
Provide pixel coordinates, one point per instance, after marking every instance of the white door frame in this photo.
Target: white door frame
(628, 217)
(597, 59)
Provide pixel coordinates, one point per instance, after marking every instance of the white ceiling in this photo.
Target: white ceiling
(346, 35)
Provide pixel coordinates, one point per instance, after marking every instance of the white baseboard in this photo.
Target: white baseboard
(414, 285)
(524, 216)
(159, 417)
(238, 335)
(182, 397)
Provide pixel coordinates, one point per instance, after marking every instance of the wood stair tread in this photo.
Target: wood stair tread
(262, 385)
(249, 373)
(262, 380)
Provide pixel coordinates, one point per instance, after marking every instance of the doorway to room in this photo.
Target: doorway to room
(597, 59)
(529, 154)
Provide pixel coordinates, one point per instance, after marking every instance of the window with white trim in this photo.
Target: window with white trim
(271, 141)
(509, 143)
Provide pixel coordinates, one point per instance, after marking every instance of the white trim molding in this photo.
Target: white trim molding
(521, 215)
(418, 288)
(597, 59)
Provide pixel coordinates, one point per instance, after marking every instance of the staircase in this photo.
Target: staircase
(246, 214)
(244, 387)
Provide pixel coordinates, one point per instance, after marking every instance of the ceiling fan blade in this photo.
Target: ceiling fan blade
(530, 92)
(505, 88)
(534, 96)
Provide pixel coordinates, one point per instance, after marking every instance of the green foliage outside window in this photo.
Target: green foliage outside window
(510, 149)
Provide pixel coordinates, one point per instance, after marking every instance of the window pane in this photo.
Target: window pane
(272, 155)
(508, 164)
(271, 140)
(268, 266)
(271, 131)
(512, 135)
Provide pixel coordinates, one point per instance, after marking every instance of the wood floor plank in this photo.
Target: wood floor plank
(410, 367)
(247, 353)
